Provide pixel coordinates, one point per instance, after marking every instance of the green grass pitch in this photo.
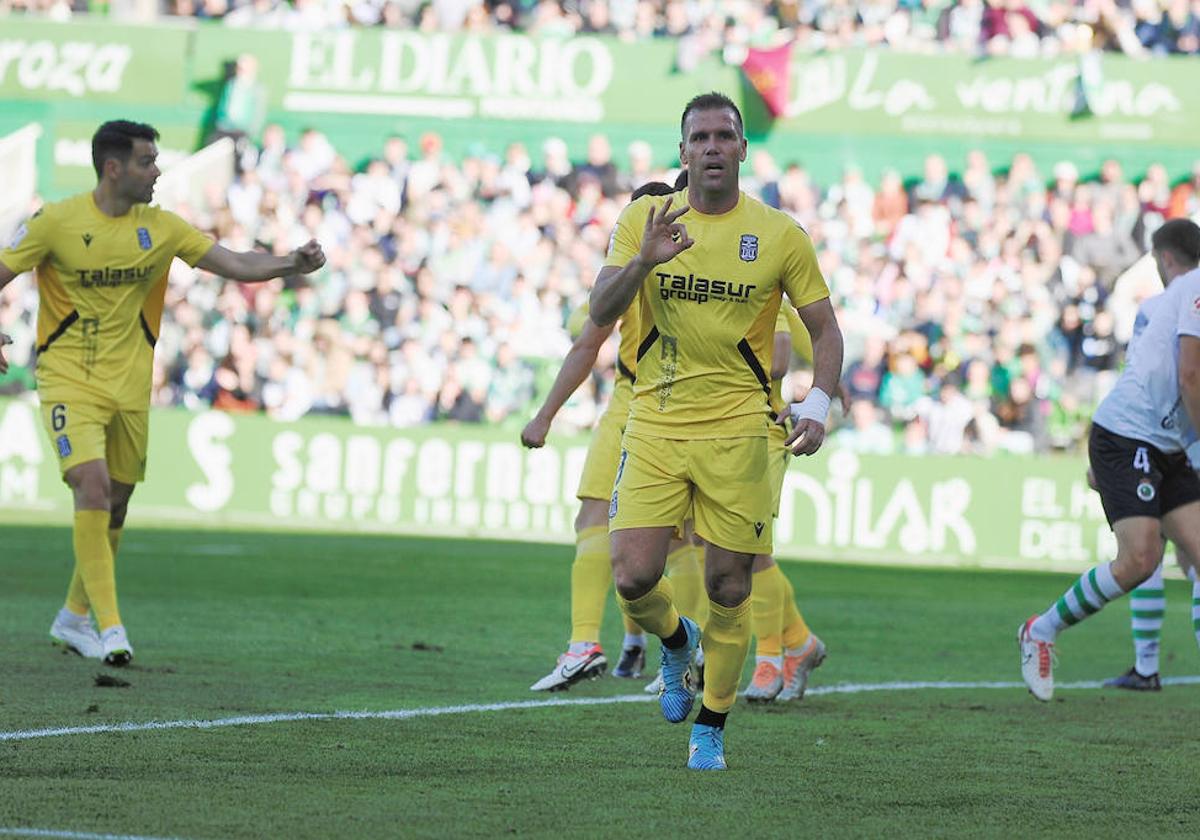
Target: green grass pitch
(227, 624)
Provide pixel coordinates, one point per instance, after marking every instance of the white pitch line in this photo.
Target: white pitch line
(70, 835)
(432, 711)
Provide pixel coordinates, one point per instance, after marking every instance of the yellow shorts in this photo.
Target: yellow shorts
(725, 483)
(82, 432)
(778, 458)
(600, 468)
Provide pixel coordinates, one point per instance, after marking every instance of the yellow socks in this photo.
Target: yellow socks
(795, 631)
(77, 599)
(632, 628)
(767, 597)
(687, 578)
(591, 577)
(655, 610)
(94, 560)
(726, 641)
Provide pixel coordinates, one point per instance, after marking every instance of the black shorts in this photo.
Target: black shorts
(1136, 479)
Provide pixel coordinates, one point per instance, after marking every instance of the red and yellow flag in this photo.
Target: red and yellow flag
(767, 71)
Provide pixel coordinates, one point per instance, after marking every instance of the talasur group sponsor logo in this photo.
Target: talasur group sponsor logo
(93, 277)
(701, 289)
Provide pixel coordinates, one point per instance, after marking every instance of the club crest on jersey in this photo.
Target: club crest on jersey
(143, 236)
(64, 446)
(748, 249)
(1145, 491)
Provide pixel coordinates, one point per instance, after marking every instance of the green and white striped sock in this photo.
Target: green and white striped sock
(1194, 577)
(1088, 595)
(1146, 606)
(1196, 611)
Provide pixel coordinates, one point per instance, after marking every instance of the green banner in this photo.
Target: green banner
(886, 92)
(71, 77)
(510, 77)
(598, 81)
(214, 469)
(872, 108)
(93, 61)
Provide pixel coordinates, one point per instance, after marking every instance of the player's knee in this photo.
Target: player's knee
(90, 488)
(117, 515)
(630, 581)
(728, 590)
(1147, 557)
(1138, 562)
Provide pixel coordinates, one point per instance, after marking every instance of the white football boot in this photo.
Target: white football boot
(76, 633)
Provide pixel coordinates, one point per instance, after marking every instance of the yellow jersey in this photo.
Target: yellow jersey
(627, 334)
(708, 316)
(101, 284)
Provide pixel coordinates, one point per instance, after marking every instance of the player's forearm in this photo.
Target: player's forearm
(252, 266)
(613, 293)
(827, 357)
(575, 369)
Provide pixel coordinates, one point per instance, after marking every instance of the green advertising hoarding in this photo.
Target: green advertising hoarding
(598, 81)
(873, 108)
(213, 469)
(92, 60)
(70, 77)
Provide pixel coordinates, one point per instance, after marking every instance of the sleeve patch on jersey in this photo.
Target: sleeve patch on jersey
(19, 236)
(64, 446)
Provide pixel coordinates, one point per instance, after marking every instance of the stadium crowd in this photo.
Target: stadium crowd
(724, 27)
(981, 311)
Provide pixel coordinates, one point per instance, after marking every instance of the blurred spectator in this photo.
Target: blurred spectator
(242, 107)
(1185, 197)
(866, 433)
(1107, 251)
(891, 203)
(599, 166)
(903, 386)
(946, 418)
(864, 376)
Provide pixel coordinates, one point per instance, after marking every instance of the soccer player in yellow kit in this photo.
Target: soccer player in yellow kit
(591, 571)
(786, 651)
(102, 259)
(711, 273)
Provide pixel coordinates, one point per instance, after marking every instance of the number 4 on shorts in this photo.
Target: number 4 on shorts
(1141, 460)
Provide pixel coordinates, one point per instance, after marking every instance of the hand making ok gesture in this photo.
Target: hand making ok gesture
(664, 237)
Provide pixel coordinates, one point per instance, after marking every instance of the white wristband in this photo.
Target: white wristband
(815, 406)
